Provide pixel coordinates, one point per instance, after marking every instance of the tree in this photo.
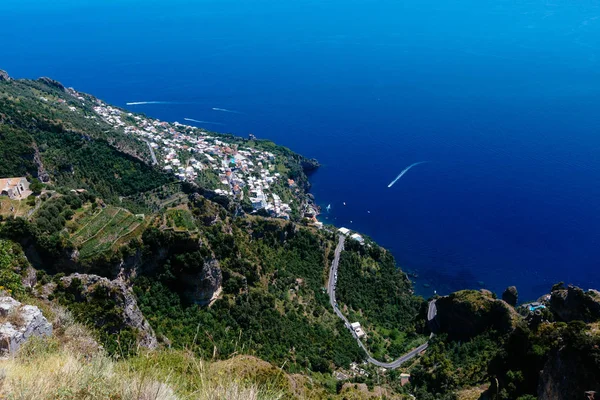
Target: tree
(36, 186)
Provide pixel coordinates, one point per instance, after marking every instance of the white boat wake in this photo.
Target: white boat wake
(405, 170)
(140, 103)
(226, 110)
(203, 122)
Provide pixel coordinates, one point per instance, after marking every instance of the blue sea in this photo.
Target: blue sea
(502, 98)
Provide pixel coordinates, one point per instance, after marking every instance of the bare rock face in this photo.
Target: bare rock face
(4, 76)
(37, 160)
(18, 323)
(123, 297)
(511, 295)
(202, 287)
(568, 374)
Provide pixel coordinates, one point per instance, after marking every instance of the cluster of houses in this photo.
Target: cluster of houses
(191, 153)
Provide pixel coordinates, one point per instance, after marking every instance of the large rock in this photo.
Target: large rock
(124, 298)
(18, 323)
(511, 296)
(4, 76)
(467, 313)
(573, 303)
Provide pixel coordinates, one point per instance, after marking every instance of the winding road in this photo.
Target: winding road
(431, 313)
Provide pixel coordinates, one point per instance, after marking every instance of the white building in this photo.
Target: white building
(15, 188)
(358, 238)
(344, 231)
(357, 329)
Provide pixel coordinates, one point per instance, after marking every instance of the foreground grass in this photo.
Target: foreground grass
(70, 365)
(45, 370)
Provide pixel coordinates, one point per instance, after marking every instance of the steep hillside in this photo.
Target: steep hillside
(171, 245)
(52, 133)
(209, 273)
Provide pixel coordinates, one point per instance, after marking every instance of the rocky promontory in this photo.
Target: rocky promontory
(573, 303)
(52, 83)
(468, 313)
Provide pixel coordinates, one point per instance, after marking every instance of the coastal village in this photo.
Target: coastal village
(230, 167)
(192, 154)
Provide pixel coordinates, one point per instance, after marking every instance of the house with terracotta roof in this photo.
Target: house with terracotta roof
(15, 188)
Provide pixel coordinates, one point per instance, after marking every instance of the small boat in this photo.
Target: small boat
(328, 208)
(344, 203)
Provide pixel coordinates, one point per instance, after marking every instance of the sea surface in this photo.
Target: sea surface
(502, 98)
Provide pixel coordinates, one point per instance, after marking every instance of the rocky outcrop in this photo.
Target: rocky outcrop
(123, 297)
(309, 165)
(511, 296)
(203, 287)
(573, 303)
(52, 83)
(467, 313)
(42, 174)
(18, 323)
(4, 76)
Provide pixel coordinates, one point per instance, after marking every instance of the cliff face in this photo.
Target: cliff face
(123, 298)
(573, 303)
(203, 286)
(467, 313)
(568, 374)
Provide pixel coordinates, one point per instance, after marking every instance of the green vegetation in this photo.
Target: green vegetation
(75, 148)
(16, 152)
(70, 365)
(180, 218)
(13, 265)
(98, 309)
(273, 305)
(100, 230)
(370, 283)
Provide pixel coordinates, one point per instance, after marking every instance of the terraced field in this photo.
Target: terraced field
(103, 229)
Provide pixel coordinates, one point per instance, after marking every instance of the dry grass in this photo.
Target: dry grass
(65, 374)
(14, 317)
(71, 366)
(474, 393)
(51, 369)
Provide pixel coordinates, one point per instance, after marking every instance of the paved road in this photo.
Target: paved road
(431, 313)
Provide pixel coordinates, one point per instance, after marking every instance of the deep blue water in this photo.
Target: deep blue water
(501, 96)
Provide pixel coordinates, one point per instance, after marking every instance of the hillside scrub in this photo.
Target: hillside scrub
(71, 365)
(47, 369)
